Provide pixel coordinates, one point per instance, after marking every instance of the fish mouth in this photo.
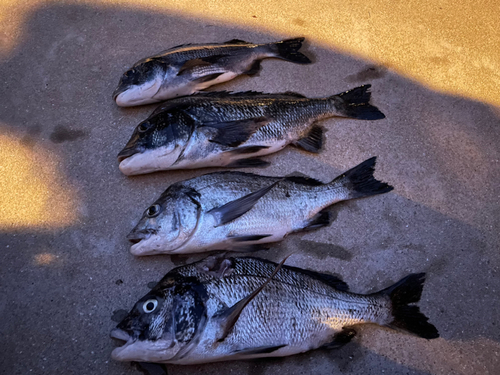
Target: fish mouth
(121, 88)
(120, 334)
(136, 237)
(120, 352)
(126, 153)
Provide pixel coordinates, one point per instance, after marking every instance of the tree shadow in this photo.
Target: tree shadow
(62, 285)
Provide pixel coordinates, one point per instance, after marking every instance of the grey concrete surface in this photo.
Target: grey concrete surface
(61, 285)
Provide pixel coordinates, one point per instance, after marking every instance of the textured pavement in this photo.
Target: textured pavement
(65, 208)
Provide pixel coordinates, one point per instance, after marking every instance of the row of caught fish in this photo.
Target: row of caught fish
(241, 308)
(222, 129)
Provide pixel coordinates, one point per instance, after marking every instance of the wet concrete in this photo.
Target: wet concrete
(66, 273)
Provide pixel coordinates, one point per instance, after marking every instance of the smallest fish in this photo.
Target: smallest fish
(189, 68)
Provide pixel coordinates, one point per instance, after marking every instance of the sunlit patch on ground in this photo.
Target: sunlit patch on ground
(423, 40)
(45, 259)
(33, 194)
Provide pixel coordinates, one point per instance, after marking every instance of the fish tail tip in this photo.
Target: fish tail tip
(355, 104)
(360, 180)
(289, 50)
(405, 317)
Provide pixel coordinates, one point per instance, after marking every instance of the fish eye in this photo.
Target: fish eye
(153, 211)
(143, 126)
(150, 305)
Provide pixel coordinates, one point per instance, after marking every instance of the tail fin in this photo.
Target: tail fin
(360, 181)
(354, 104)
(289, 50)
(409, 318)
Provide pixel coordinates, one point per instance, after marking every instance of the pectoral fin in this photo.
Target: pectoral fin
(234, 133)
(228, 317)
(238, 207)
(202, 64)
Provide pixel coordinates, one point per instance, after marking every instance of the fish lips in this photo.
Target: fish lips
(136, 236)
(127, 152)
(121, 88)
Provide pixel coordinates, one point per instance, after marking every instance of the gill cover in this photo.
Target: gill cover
(157, 142)
(168, 224)
(169, 331)
(141, 83)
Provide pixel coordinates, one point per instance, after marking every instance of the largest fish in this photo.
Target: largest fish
(185, 69)
(243, 211)
(243, 308)
(232, 129)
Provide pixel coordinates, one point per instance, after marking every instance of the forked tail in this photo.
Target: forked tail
(289, 50)
(355, 104)
(408, 317)
(359, 181)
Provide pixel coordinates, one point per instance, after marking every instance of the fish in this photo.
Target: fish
(188, 68)
(240, 211)
(221, 309)
(221, 129)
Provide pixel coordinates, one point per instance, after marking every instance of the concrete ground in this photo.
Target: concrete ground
(65, 208)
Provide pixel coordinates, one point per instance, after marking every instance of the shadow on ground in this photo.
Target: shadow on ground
(62, 284)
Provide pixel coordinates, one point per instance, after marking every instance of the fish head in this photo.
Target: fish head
(141, 83)
(156, 143)
(165, 324)
(168, 224)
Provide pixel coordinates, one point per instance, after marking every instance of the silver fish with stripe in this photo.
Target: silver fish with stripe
(186, 69)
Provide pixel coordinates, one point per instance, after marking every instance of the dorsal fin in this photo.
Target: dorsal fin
(293, 94)
(308, 181)
(325, 278)
(236, 41)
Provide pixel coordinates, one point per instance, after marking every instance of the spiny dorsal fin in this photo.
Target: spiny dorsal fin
(236, 41)
(304, 180)
(293, 94)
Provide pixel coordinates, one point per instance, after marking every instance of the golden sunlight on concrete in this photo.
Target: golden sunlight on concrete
(44, 259)
(446, 45)
(31, 193)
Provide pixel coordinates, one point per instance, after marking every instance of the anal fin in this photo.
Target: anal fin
(259, 350)
(341, 338)
(313, 141)
(254, 68)
(321, 219)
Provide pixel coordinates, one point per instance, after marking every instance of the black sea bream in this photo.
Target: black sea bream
(186, 69)
(221, 129)
(242, 308)
(241, 211)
